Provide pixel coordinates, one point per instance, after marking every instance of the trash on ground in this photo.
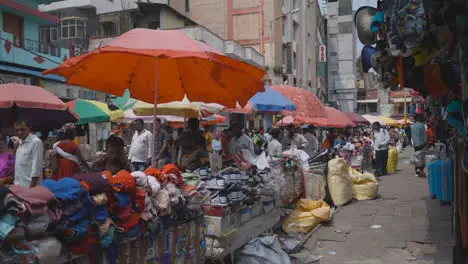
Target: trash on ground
(306, 257)
(332, 253)
(375, 226)
(416, 258)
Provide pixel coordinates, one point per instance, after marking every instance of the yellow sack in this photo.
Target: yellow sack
(307, 215)
(365, 186)
(339, 183)
(392, 162)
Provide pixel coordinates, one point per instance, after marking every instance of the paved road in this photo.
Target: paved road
(414, 228)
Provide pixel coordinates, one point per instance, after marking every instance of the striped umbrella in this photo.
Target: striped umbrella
(91, 111)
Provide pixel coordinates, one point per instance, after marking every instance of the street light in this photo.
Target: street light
(271, 30)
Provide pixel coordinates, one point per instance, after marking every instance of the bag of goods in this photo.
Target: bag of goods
(392, 162)
(339, 183)
(315, 184)
(307, 215)
(365, 186)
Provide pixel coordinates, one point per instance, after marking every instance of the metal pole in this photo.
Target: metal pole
(154, 162)
(304, 38)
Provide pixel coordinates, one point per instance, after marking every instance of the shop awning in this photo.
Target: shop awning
(401, 100)
(368, 101)
(31, 72)
(23, 10)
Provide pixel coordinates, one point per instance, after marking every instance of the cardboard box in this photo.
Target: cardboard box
(245, 215)
(221, 226)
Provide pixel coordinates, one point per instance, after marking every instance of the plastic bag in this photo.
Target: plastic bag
(418, 158)
(339, 183)
(399, 147)
(392, 162)
(365, 186)
(307, 215)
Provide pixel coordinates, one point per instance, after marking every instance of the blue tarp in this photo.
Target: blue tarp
(271, 100)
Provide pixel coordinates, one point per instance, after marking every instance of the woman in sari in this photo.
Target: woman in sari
(7, 162)
(69, 156)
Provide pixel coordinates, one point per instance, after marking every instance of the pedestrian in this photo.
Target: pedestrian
(312, 148)
(240, 141)
(68, 154)
(7, 162)
(140, 152)
(216, 162)
(293, 138)
(114, 160)
(193, 147)
(419, 141)
(29, 156)
(226, 140)
(275, 149)
(380, 140)
(161, 152)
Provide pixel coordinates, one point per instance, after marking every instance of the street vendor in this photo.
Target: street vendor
(114, 160)
(193, 146)
(29, 156)
(294, 138)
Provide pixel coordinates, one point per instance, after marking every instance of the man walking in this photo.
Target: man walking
(29, 156)
(419, 141)
(380, 140)
(140, 149)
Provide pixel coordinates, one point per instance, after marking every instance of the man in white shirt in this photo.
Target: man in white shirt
(380, 139)
(140, 149)
(240, 141)
(274, 146)
(29, 156)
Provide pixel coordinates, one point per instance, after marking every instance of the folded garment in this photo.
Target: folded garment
(7, 224)
(100, 199)
(123, 181)
(34, 201)
(37, 226)
(89, 244)
(47, 250)
(147, 183)
(3, 193)
(106, 240)
(79, 229)
(65, 190)
(101, 213)
(93, 182)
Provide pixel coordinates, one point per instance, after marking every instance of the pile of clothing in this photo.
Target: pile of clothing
(89, 213)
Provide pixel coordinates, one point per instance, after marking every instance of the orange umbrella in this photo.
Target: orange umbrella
(307, 104)
(161, 66)
(169, 60)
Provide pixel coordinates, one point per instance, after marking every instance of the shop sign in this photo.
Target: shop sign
(9, 78)
(322, 53)
(75, 51)
(345, 82)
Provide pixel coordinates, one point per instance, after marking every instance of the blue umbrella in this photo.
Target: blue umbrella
(271, 100)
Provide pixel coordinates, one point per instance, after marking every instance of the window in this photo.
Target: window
(372, 108)
(154, 24)
(14, 25)
(332, 36)
(345, 7)
(108, 29)
(187, 5)
(332, 53)
(44, 34)
(73, 28)
(345, 27)
(53, 34)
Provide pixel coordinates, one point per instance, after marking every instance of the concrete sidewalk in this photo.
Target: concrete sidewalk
(413, 228)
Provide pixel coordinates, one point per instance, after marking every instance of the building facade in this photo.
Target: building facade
(24, 55)
(284, 31)
(341, 54)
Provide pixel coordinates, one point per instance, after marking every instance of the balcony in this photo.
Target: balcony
(30, 53)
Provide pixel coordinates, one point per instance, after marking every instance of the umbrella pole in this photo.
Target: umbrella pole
(154, 160)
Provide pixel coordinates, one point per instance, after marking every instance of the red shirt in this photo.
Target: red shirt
(430, 136)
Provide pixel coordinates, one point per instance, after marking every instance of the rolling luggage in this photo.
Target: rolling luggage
(440, 180)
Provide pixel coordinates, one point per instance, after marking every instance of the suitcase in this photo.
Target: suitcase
(440, 180)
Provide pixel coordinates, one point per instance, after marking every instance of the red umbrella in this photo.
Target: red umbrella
(334, 118)
(356, 118)
(36, 105)
(307, 104)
